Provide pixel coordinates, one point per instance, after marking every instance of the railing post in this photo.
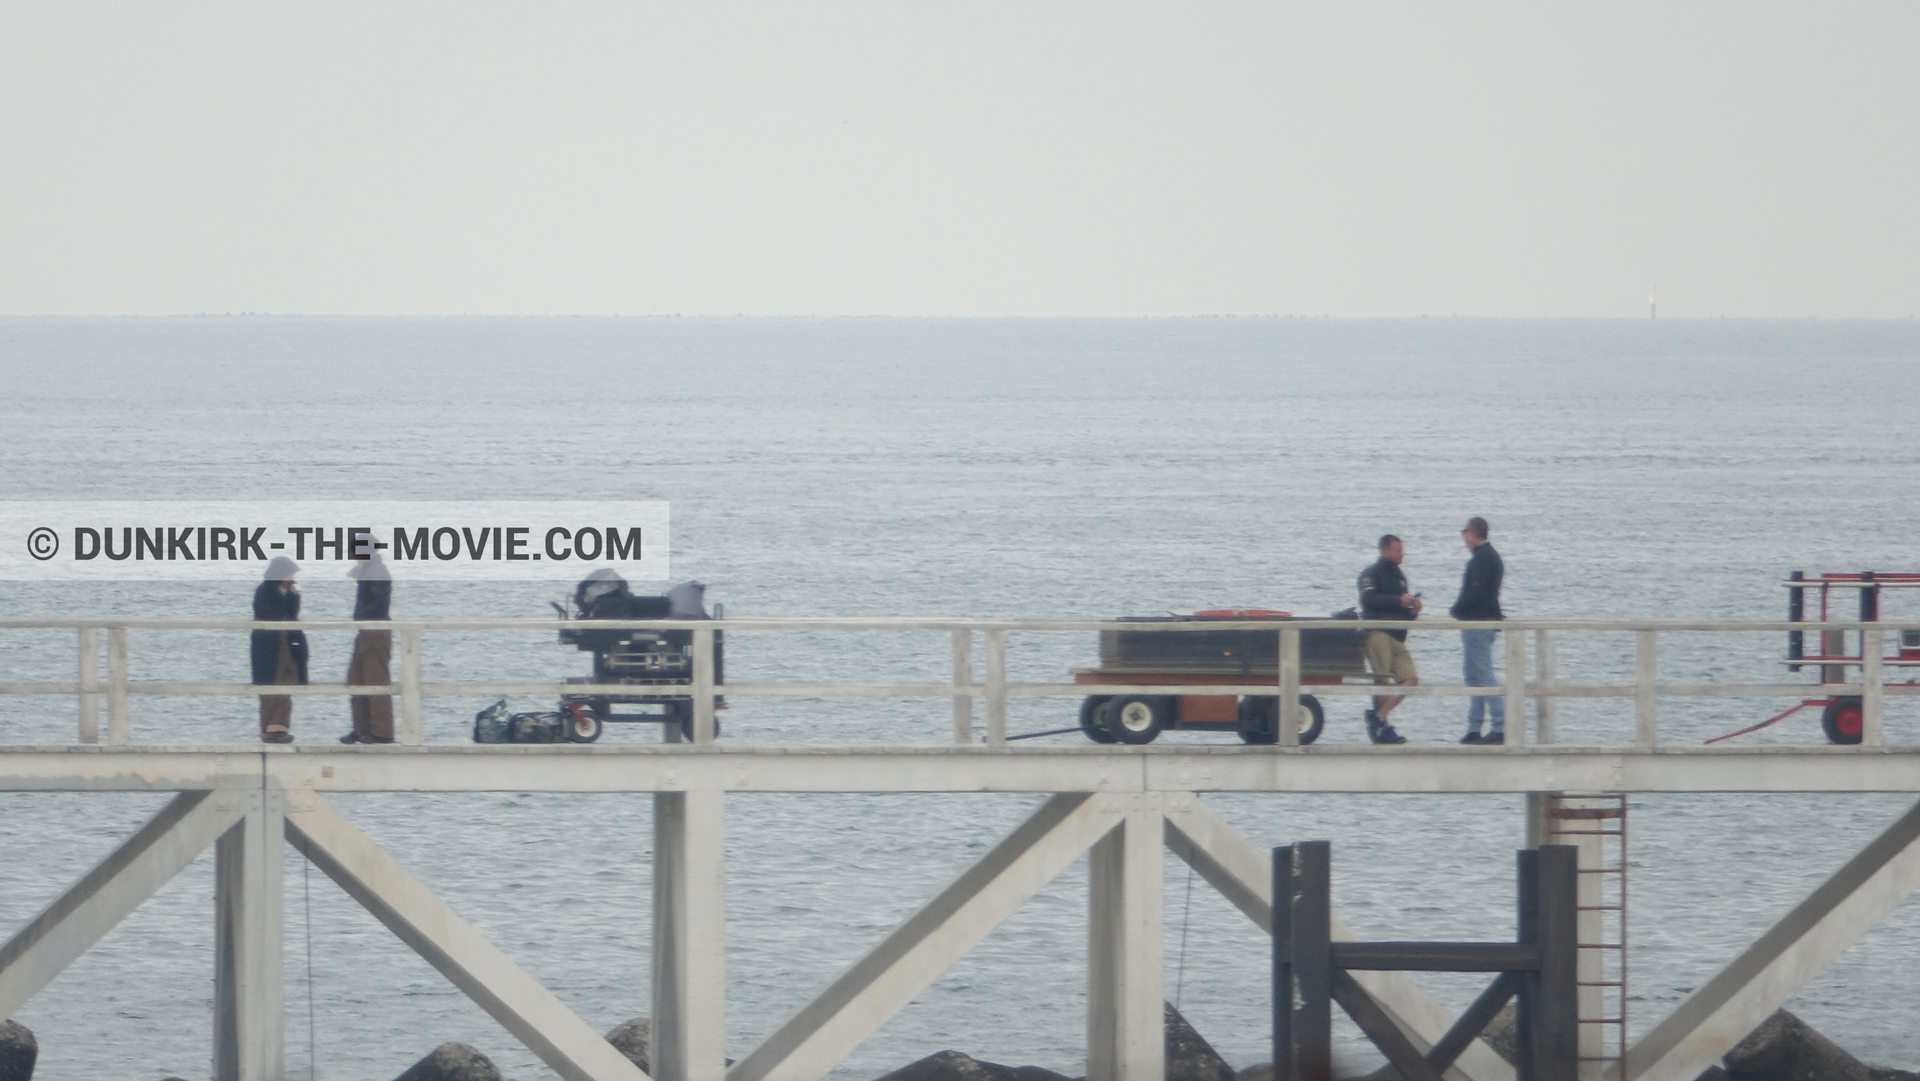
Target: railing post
(89, 685)
(1646, 718)
(703, 685)
(1289, 703)
(1873, 729)
(410, 686)
(1544, 663)
(996, 688)
(116, 686)
(963, 686)
(1516, 687)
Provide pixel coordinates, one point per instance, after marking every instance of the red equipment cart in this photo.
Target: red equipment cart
(1840, 714)
(1200, 659)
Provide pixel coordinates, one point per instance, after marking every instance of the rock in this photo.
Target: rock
(1261, 1072)
(955, 1066)
(452, 1062)
(1785, 1048)
(630, 1039)
(18, 1051)
(1189, 1056)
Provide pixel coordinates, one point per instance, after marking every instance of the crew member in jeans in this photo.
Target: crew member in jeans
(1384, 595)
(1480, 600)
(372, 653)
(279, 657)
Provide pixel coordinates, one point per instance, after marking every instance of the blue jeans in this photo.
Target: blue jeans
(1478, 649)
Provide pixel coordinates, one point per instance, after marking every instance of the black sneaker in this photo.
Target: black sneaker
(351, 737)
(1373, 726)
(1386, 734)
(277, 737)
(1494, 737)
(1472, 737)
(375, 739)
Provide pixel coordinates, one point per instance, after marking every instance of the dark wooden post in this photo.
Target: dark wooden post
(1312, 962)
(1549, 1029)
(1283, 963)
(1556, 1044)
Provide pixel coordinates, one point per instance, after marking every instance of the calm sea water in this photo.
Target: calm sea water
(1003, 468)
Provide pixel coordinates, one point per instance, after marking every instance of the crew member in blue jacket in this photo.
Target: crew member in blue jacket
(1480, 600)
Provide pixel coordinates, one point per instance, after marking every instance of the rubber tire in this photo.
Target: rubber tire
(1091, 722)
(581, 725)
(1150, 715)
(1841, 719)
(1258, 725)
(686, 724)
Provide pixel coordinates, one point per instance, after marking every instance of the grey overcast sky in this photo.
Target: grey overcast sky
(980, 158)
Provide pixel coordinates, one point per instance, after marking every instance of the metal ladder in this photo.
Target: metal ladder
(1597, 825)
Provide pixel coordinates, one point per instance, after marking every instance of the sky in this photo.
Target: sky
(1031, 158)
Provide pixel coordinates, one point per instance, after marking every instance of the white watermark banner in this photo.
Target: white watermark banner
(224, 541)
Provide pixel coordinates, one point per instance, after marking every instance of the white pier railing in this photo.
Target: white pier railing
(1530, 679)
(1121, 807)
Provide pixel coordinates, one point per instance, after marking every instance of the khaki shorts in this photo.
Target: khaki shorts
(1389, 659)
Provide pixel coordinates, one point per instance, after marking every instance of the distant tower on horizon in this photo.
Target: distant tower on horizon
(1653, 304)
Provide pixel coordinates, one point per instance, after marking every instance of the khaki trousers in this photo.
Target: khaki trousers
(372, 654)
(276, 710)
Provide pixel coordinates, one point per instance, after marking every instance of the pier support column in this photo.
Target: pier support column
(689, 1041)
(1126, 971)
(248, 948)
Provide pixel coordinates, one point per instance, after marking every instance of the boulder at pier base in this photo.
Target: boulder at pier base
(1189, 1056)
(631, 1038)
(1785, 1048)
(956, 1066)
(452, 1062)
(18, 1051)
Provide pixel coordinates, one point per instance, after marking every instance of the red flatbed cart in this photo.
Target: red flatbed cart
(1201, 659)
(1840, 714)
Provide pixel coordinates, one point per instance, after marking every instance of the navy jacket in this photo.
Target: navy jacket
(269, 602)
(1381, 587)
(1480, 585)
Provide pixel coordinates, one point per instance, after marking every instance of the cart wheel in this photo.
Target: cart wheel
(1315, 720)
(1257, 722)
(580, 726)
(1137, 718)
(1842, 720)
(1091, 721)
(686, 725)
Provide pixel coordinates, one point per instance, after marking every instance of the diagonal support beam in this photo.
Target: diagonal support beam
(1243, 874)
(868, 994)
(1798, 948)
(476, 966)
(96, 904)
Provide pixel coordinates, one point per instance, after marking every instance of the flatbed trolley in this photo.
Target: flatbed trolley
(1200, 659)
(1840, 715)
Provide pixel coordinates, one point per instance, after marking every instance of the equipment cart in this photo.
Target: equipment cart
(1840, 714)
(1200, 659)
(658, 664)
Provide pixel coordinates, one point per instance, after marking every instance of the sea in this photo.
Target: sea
(1003, 468)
